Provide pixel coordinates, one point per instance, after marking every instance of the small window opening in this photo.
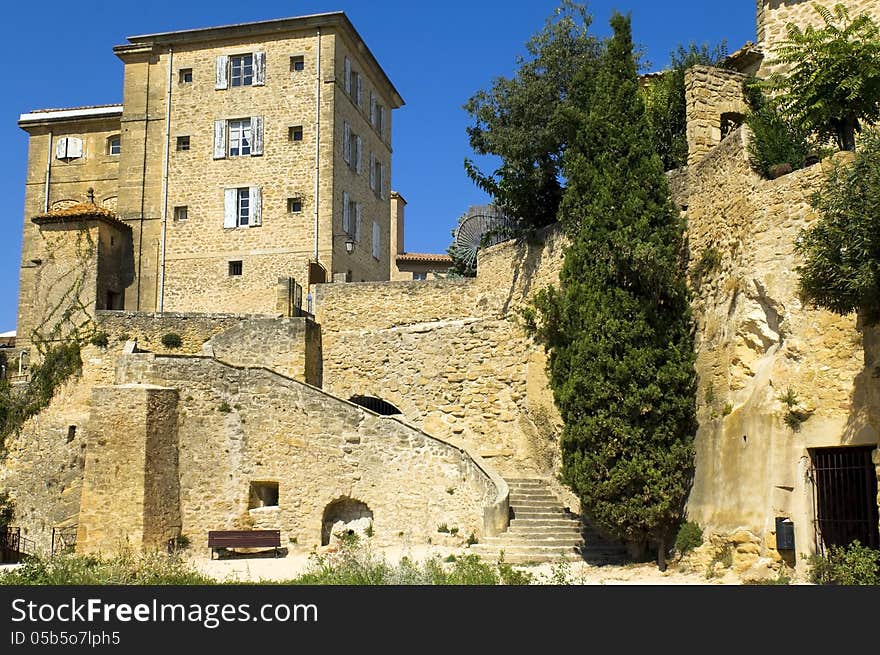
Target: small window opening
(181, 213)
(182, 143)
(185, 76)
(297, 63)
(236, 268)
(263, 494)
(294, 205)
(295, 133)
(71, 433)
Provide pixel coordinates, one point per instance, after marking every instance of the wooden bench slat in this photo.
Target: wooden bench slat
(244, 539)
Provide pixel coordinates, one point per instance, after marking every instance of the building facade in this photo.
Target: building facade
(244, 158)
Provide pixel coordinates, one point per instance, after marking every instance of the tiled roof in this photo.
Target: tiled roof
(424, 257)
(80, 210)
(43, 111)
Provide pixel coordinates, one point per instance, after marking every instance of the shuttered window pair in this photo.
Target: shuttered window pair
(352, 148)
(375, 240)
(354, 86)
(377, 176)
(239, 137)
(351, 216)
(241, 70)
(68, 147)
(377, 114)
(243, 207)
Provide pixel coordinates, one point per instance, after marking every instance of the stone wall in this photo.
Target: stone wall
(236, 426)
(755, 340)
(714, 97)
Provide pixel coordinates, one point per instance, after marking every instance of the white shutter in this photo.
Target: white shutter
(382, 121)
(347, 74)
(259, 68)
(256, 207)
(360, 89)
(375, 240)
(372, 109)
(256, 136)
(382, 181)
(74, 147)
(61, 148)
(346, 219)
(346, 143)
(219, 139)
(360, 147)
(373, 171)
(222, 72)
(230, 208)
(357, 222)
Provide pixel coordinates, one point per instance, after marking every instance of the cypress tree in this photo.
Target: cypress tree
(618, 329)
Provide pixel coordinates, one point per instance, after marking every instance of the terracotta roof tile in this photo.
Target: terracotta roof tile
(424, 257)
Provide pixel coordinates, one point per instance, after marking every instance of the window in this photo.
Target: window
(353, 83)
(240, 137)
(375, 240)
(295, 133)
(242, 207)
(263, 494)
(182, 143)
(185, 76)
(71, 433)
(377, 176)
(377, 114)
(297, 63)
(68, 147)
(114, 145)
(351, 216)
(294, 205)
(352, 147)
(420, 276)
(236, 268)
(181, 213)
(241, 70)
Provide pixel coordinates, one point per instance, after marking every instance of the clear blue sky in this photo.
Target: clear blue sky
(436, 53)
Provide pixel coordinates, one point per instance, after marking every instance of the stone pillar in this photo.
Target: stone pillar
(710, 93)
(131, 493)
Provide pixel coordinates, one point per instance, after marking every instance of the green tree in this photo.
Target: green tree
(832, 85)
(618, 329)
(778, 139)
(519, 120)
(665, 106)
(841, 269)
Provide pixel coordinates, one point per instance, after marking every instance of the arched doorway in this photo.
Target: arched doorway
(345, 514)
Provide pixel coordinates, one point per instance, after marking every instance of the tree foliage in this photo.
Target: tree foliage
(664, 98)
(618, 329)
(520, 120)
(841, 269)
(832, 85)
(777, 138)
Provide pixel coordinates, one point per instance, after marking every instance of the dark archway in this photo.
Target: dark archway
(348, 511)
(377, 405)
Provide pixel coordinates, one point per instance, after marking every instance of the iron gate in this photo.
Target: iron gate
(844, 497)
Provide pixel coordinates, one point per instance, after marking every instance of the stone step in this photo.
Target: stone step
(534, 558)
(559, 522)
(541, 514)
(515, 542)
(533, 507)
(518, 549)
(541, 533)
(538, 495)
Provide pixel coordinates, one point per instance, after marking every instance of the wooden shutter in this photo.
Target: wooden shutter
(256, 136)
(219, 139)
(230, 208)
(256, 207)
(360, 89)
(375, 240)
(372, 109)
(373, 171)
(222, 72)
(346, 215)
(360, 147)
(259, 69)
(346, 143)
(61, 148)
(347, 74)
(74, 147)
(382, 181)
(382, 121)
(357, 222)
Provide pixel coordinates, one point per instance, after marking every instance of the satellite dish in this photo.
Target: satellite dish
(482, 226)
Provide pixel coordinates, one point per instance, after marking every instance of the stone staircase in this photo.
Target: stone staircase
(542, 530)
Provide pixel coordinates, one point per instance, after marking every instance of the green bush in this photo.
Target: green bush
(171, 340)
(100, 339)
(690, 536)
(224, 408)
(7, 510)
(846, 565)
(776, 139)
(708, 263)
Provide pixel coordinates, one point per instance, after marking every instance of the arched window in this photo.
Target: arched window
(114, 145)
(376, 405)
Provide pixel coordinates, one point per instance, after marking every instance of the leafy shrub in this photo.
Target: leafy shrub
(224, 408)
(472, 539)
(99, 339)
(776, 139)
(7, 510)
(171, 340)
(846, 565)
(708, 263)
(443, 528)
(690, 536)
(125, 569)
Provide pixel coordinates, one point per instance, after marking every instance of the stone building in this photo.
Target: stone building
(247, 161)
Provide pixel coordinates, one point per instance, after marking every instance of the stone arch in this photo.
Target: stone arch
(730, 121)
(377, 405)
(64, 204)
(354, 515)
(109, 203)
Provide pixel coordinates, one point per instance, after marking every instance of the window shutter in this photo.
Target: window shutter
(382, 121)
(256, 136)
(259, 69)
(346, 143)
(74, 147)
(372, 109)
(360, 147)
(347, 75)
(256, 207)
(230, 218)
(359, 91)
(222, 72)
(373, 171)
(375, 240)
(357, 222)
(61, 148)
(382, 181)
(346, 220)
(219, 139)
